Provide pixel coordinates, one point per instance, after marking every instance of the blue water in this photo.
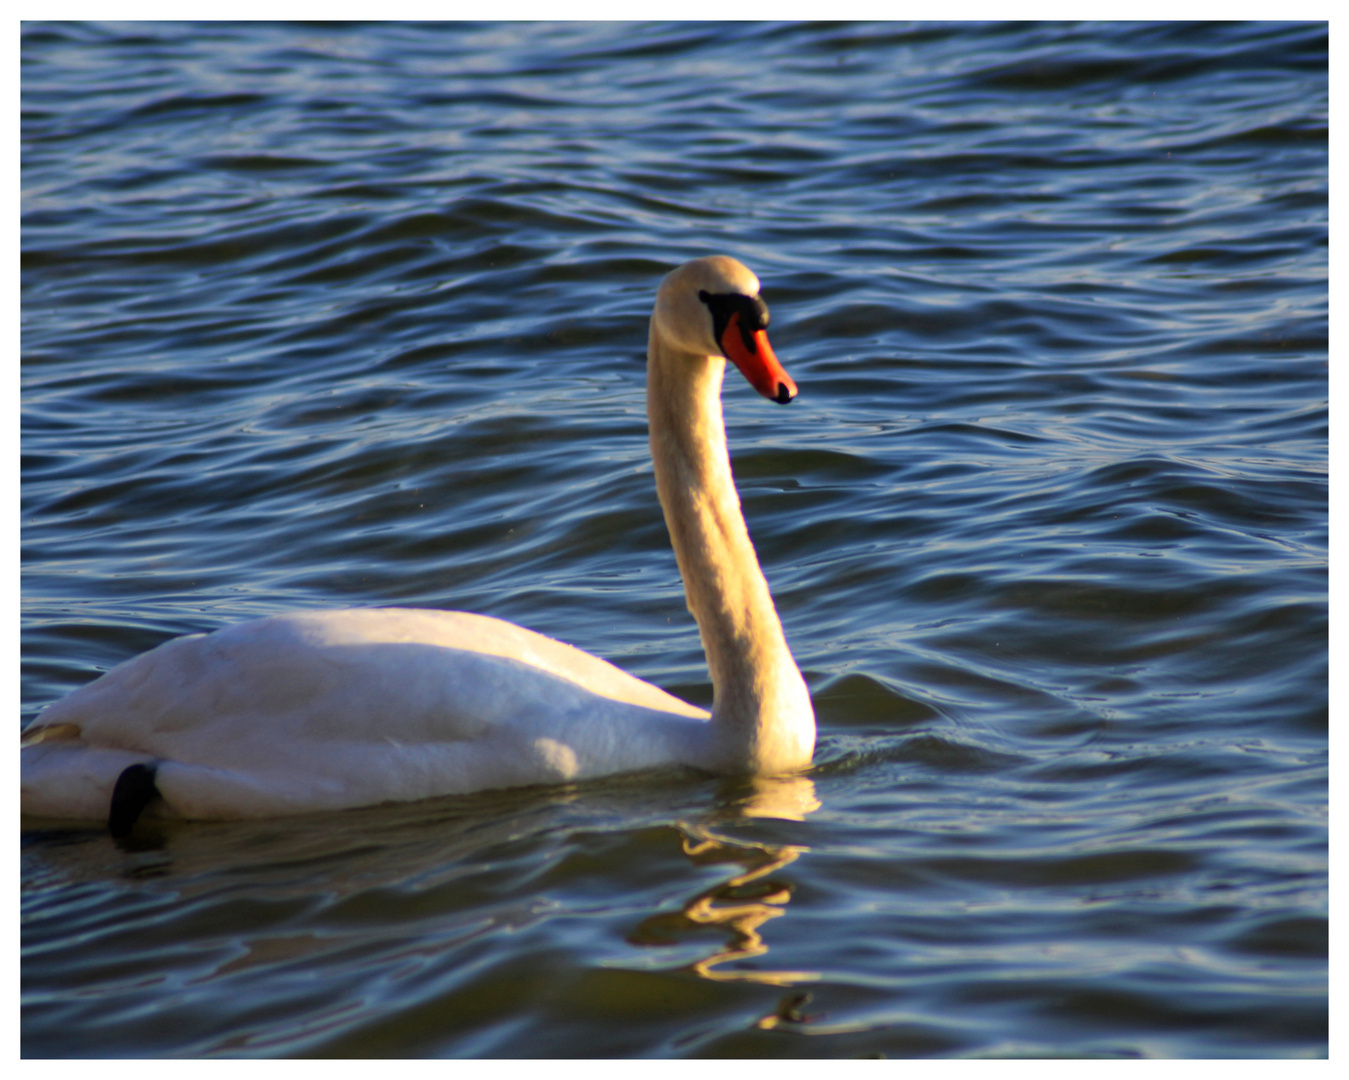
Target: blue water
(354, 315)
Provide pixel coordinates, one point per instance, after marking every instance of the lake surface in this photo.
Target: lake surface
(320, 316)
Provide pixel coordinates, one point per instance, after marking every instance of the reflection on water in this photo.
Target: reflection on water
(739, 905)
(788, 798)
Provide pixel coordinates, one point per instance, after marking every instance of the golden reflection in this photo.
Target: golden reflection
(743, 902)
(789, 798)
(740, 905)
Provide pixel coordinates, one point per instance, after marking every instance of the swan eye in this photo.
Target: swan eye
(752, 310)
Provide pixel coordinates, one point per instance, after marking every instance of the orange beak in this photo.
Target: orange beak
(759, 365)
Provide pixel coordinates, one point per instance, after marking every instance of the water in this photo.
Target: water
(355, 315)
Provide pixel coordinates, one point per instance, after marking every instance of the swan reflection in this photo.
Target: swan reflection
(788, 798)
(742, 903)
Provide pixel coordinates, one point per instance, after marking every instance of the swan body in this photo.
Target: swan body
(332, 709)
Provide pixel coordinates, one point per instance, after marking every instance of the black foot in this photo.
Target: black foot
(133, 792)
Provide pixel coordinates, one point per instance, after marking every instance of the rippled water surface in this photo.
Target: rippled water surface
(355, 315)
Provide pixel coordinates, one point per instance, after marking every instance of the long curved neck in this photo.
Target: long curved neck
(761, 712)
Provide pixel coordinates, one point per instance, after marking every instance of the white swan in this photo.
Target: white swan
(331, 709)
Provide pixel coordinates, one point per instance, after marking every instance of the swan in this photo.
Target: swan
(325, 710)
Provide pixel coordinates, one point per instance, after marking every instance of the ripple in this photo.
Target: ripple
(356, 315)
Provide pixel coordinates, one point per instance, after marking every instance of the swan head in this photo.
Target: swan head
(712, 307)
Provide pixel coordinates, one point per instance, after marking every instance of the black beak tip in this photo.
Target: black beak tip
(785, 396)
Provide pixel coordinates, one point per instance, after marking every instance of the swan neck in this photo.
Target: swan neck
(761, 711)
